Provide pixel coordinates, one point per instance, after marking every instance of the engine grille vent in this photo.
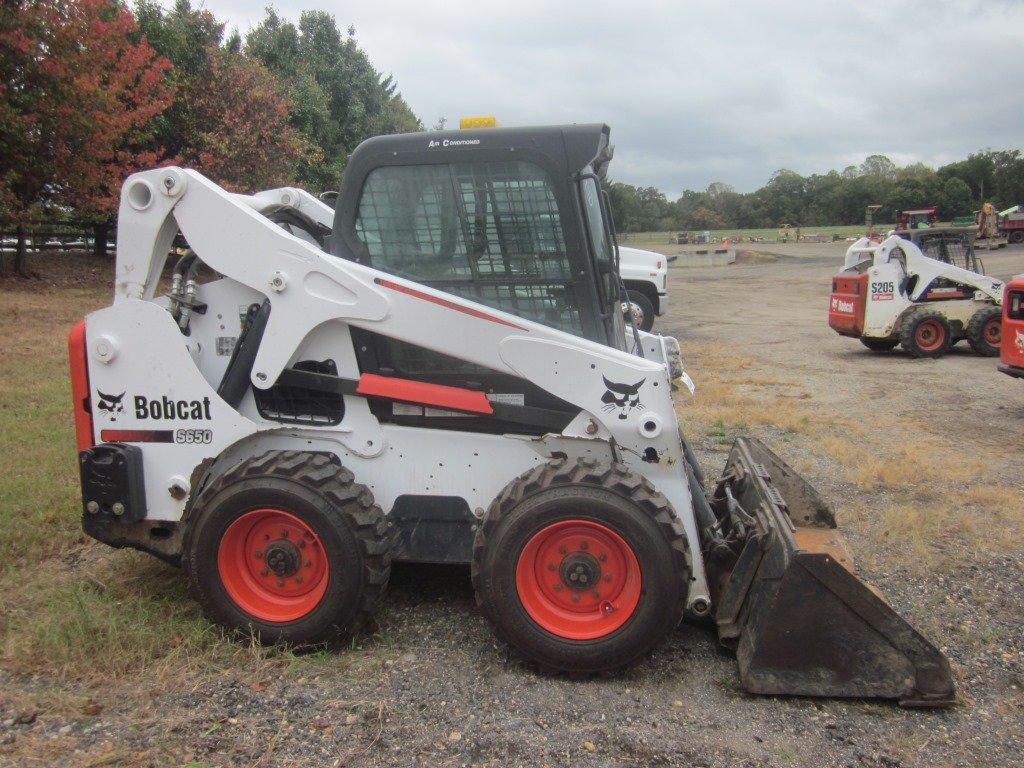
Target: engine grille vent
(297, 405)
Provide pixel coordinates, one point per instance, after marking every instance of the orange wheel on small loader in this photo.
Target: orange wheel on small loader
(925, 333)
(581, 566)
(984, 331)
(287, 547)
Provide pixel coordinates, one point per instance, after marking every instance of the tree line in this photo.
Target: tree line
(94, 90)
(836, 197)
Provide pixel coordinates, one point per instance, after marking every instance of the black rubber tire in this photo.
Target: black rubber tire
(976, 327)
(879, 345)
(317, 489)
(613, 496)
(645, 305)
(909, 329)
(1016, 236)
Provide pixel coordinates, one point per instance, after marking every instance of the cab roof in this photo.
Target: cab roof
(571, 148)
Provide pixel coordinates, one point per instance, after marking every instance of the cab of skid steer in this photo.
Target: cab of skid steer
(513, 218)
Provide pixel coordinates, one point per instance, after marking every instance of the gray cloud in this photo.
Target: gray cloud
(704, 91)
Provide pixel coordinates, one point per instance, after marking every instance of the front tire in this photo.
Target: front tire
(926, 333)
(984, 331)
(642, 309)
(287, 547)
(580, 566)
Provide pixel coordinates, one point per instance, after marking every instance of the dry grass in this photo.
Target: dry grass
(911, 490)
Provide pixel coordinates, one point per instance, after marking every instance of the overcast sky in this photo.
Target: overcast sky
(698, 91)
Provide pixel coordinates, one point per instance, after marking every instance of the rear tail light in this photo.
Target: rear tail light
(80, 387)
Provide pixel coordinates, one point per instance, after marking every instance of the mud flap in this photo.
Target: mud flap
(789, 602)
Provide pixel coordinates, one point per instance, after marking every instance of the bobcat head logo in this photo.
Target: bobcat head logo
(623, 397)
(110, 404)
(1019, 342)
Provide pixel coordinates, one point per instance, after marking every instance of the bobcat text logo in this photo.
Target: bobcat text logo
(110, 404)
(624, 397)
(838, 305)
(166, 408)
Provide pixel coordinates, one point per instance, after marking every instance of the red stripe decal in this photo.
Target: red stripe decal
(80, 386)
(406, 390)
(445, 303)
(137, 436)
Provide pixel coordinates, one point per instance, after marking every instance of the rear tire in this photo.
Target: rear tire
(1016, 236)
(287, 547)
(984, 331)
(643, 310)
(581, 566)
(879, 345)
(925, 333)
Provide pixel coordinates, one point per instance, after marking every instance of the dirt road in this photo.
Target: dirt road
(777, 312)
(432, 687)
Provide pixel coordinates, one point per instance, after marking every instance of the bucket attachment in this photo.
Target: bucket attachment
(788, 599)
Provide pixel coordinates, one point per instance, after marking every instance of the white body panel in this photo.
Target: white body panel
(315, 298)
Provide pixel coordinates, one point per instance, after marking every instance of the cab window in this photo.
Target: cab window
(604, 254)
(595, 222)
(488, 231)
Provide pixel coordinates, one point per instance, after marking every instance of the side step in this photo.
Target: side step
(789, 601)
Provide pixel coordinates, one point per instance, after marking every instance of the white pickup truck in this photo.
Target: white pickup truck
(645, 276)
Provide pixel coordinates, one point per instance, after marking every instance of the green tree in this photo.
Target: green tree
(339, 98)
(1008, 175)
(184, 35)
(878, 165)
(836, 197)
(706, 218)
(956, 199)
(625, 206)
(783, 197)
(977, 171)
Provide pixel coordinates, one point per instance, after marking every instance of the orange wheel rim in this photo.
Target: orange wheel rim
(930, 335)
(993, 332)
(578, 579)
(273, 565)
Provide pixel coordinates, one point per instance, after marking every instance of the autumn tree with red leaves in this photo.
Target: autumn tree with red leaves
(243, 138)
(78, 94)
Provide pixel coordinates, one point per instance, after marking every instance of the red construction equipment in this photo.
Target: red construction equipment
(1011, 349)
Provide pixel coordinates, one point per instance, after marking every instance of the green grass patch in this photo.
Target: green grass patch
(39, 487)
(130, 615)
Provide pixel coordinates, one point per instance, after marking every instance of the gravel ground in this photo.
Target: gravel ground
(432, 687)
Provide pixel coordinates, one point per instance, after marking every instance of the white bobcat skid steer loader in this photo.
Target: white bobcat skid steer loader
(438, 371)
(891, 293)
